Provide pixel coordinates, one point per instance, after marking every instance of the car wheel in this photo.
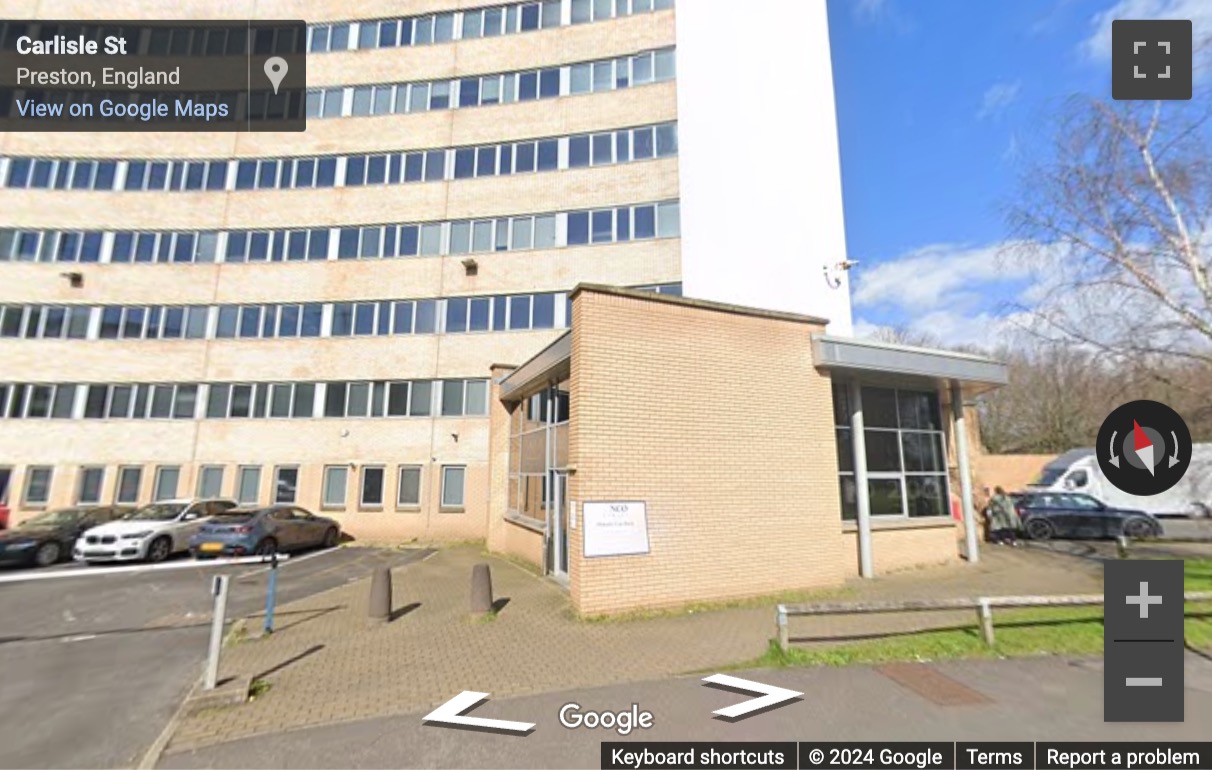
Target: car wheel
(1138, 528)
(330, 537)
(160, 549)
(47, 554)
(1040, 529)
(266, 547)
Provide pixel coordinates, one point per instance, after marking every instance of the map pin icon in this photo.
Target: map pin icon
(275, 70)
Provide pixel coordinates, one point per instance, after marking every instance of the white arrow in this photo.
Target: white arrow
(450, 713)
(1114, 457)
(771, 695)
(1174, 457)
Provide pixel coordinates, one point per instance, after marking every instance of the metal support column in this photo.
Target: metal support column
(858, 443)
(972, 543)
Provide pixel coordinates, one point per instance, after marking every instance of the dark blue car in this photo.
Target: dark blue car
(1046, 515)
(276, 529)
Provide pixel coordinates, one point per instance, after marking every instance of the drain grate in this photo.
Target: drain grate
(932, 685)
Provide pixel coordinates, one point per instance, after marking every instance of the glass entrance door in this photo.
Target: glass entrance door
(558, 526)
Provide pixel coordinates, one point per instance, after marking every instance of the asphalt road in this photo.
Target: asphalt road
(94, 665)
(1009, 700)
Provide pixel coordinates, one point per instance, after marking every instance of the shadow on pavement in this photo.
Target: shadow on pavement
(308, 615)
(294, 659)
(400, 612)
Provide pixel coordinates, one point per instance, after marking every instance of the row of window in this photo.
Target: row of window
(471, 24)
(519, 233)
(453, 315)
(536, 156)
(499, 88)
(247, 488)
(188, 401)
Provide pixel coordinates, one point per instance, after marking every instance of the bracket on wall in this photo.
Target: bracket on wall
(834, 273)
(471, 267)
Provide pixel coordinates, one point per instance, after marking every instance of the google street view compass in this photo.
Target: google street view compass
(1144, 448)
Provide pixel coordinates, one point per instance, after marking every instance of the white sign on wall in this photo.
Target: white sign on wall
(615, 529)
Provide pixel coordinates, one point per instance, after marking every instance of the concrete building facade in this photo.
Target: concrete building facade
(311, 317)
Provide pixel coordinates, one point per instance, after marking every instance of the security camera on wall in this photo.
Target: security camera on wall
(834, 274)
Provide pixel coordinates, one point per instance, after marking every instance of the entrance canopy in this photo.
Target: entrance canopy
(881, 360)
(857, 365)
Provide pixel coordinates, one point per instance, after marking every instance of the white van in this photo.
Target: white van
(1077, 471)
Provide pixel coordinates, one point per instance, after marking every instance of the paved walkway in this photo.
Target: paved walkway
(327, 665)
(1027, 699)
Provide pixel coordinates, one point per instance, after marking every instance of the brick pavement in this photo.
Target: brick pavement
(327, 664)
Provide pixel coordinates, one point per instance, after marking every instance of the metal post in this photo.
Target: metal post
(218, 588)
(972, 545)
(784, 639)
(1121, 546)
(985, 613)
(271, 596)
(858, 443)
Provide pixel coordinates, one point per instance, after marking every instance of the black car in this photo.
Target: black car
(48, 537)
(1069, 514)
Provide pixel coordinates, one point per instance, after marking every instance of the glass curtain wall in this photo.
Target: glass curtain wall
(538, 452)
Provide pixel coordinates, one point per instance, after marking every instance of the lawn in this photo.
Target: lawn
(1043, 631)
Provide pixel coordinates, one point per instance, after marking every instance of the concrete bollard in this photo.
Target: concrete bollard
(481, 590)
(380, 595)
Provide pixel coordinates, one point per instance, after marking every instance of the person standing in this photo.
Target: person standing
(1004, 518)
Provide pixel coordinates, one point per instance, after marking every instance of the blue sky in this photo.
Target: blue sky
(940, 105)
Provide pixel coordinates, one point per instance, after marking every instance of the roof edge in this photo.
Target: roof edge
(719, 307)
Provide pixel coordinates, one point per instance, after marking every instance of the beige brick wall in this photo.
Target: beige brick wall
(1011, 472)
(900, 548)
(716, 421)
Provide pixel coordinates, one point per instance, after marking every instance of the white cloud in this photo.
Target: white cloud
(869, 10)
(957, 294)
(932, 275)
(997, 98)
(1097, 47)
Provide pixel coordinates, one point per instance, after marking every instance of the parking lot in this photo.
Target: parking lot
(95, 660)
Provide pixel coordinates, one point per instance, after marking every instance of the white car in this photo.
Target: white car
(152, 533)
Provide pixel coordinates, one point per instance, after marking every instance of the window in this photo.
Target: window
(905, 452)
(210, 481)
(372, 487)
(408, 492)
(248, 487)
(37, 486)
(286, 484)
(453, 479)
(336, 478)
(89, 490)
(167, 478)
(130, 479)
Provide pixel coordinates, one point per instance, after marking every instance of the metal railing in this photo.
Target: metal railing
(983, 606)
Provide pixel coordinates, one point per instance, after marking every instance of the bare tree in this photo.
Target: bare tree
(1117, 223)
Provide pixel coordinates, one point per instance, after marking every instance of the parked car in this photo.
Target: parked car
(278, 528)
(48, 537)
(5, 512)
(152, 533)
(1070, 514)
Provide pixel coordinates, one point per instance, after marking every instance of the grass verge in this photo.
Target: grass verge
(1018, 633)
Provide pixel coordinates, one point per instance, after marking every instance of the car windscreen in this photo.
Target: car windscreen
(158, 512)
(233, 516)
(1049, 475)
(52, 519)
